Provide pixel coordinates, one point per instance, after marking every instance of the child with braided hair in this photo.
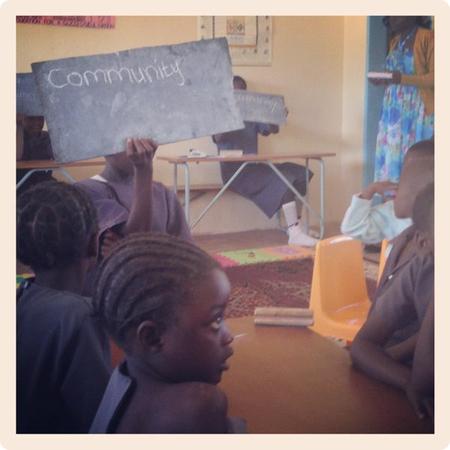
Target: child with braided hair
(162, 300)
(128, 200)
(63, 359)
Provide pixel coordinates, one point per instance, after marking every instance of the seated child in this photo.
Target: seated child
(32, 143)
(258, 182)
(417, 172)
(421, 387)
(63, 359)
(385, 344)
(127, 200)
(163, 300)
(372, 223)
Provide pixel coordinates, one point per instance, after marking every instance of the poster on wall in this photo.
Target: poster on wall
(70, 21)
(249, 37)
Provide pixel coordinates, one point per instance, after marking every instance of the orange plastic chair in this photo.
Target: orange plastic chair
(383, 258)
(339, 296)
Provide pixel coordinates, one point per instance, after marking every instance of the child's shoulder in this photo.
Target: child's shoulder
(202, 408)
(60, 307)
(188, 408)
(201, 396)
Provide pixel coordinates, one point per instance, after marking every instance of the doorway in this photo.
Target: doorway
(376, 55)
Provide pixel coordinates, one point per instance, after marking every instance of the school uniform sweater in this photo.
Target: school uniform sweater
(63, 361)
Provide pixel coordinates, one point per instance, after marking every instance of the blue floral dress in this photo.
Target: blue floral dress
(403, 120)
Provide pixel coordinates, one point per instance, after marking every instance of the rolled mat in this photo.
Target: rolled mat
(284, 321)
(274, 311)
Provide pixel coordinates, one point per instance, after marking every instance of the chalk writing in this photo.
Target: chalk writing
(265, 108)
(264, 101)
(60, 78)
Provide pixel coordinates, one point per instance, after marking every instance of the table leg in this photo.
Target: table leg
(26, 176)
(175, 178)
(219, 194)
(66, 174)
(322, 197)
(187, 188)
(307, 195)
(63, 172)
(291, 187)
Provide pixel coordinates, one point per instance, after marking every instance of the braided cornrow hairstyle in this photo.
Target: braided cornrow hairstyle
(144, 278)
(55, 222)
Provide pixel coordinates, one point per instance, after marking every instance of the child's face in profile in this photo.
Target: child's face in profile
(412, 181)
(197, 344)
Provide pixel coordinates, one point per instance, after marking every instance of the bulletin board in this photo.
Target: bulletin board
(249, 37)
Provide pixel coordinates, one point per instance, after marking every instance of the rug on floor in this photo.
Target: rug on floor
(261, 255)
(281, 283)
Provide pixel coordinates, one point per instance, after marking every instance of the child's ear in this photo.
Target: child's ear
(424, 242)
(149, 336)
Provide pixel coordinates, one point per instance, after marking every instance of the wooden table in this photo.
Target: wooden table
(50, 164)
(291, 380)
(184, 161)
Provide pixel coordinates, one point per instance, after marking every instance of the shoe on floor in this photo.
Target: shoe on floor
(298, 237)
(311, 232)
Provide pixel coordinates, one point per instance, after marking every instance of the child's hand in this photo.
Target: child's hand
(423, 406)
(396, 77)
(141, 153)
(379, 81)
(380, 187)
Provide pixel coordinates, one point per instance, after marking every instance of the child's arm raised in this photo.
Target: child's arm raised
(141, 153)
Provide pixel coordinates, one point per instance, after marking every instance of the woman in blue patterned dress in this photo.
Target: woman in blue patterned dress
(407, 114)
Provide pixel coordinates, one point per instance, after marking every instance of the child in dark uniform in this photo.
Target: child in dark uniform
(420, 390)
(162, 300)
(34, 143)
(258, 182)
(63, 359)
(128, 200)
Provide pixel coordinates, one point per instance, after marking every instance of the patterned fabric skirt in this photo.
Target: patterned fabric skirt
(403, 122)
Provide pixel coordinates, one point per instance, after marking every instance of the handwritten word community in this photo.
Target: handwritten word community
(269, 103)
(59, 78)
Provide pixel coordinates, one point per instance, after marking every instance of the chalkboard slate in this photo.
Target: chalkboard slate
(169, 93)
(28, 101)
(264, 108)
